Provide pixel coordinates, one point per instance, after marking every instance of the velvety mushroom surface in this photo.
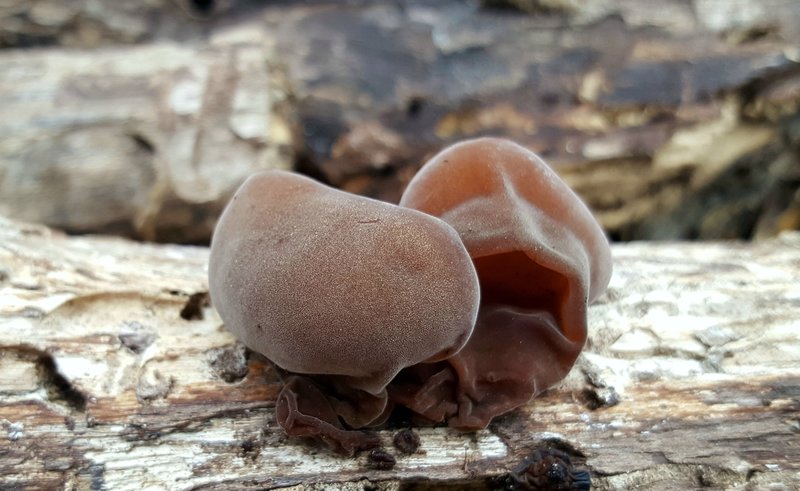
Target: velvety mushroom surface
(344, 289)
(541, 258)
(363, 305)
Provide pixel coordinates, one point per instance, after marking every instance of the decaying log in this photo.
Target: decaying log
(89, 24)
(116, 374)
(149, 141)
(671, 118)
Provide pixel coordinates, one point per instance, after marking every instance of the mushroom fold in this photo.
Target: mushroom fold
(541, 258)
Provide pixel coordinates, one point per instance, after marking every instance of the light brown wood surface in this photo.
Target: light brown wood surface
(115, 375)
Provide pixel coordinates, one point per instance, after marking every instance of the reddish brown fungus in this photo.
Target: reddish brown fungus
(549, 468)
(381, 460)
(407, 441)
(540, 257)
(363, 305)
(340, 291)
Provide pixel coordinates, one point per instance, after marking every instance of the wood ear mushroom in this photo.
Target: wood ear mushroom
(541, 258)
(461, 304)
(337, 287)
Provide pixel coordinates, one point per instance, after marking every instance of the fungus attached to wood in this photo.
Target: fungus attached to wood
(341, 292)
(461, 304)
(540, 257)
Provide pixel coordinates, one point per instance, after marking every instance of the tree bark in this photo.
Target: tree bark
(89, 24)
(116, 374)
(672, 119)
(146, 141)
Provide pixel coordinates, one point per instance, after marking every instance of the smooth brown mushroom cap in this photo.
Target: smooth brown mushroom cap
(325, 282)
(540, 256)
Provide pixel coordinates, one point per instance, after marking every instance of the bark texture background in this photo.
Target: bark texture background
(147, 140)
(116, 374)
(672, 118)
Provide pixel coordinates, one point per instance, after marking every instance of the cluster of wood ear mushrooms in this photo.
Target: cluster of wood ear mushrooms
(461, 303)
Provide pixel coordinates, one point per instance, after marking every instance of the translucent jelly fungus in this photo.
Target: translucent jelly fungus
(462, 303)
(541, 258)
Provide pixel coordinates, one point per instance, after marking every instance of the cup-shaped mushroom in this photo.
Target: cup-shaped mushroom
(327, 283)
(541, 257)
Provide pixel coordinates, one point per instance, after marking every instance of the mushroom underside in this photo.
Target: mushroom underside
(517, 349)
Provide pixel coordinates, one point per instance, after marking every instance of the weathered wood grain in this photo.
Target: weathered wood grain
(671, 118)
(89, 24)
(147, 141)
(116, 374)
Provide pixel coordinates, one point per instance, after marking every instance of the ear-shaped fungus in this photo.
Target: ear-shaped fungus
(540, 257)
(344, 289)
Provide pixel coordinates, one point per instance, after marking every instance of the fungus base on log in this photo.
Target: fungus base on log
(341, 292)
(461, 304)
